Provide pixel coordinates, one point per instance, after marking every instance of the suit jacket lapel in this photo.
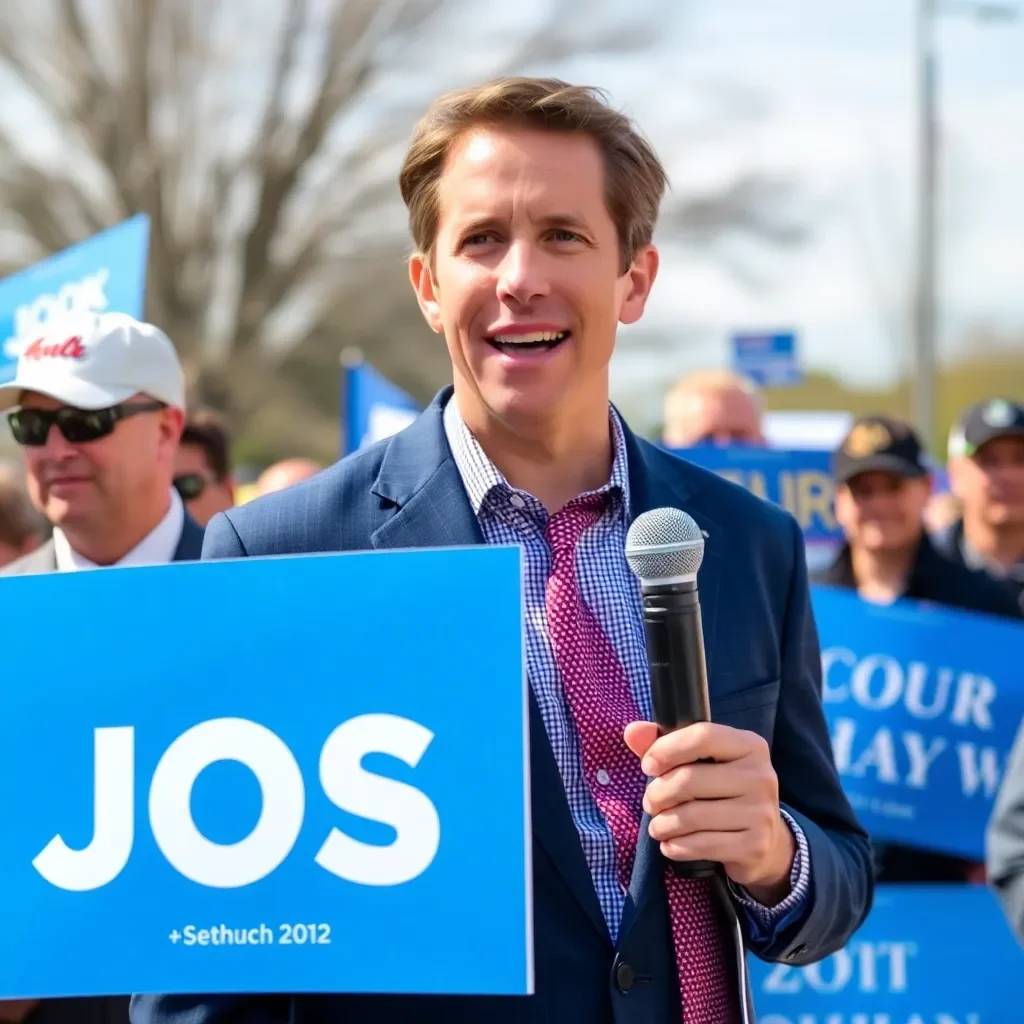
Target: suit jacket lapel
(419, 481)
(659, 480)
(419, 478)
(42, 560)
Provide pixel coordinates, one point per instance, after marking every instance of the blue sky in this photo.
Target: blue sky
(824, 93)
(834, 82)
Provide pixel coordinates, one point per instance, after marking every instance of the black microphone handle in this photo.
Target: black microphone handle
(675, 653)
(679, 675)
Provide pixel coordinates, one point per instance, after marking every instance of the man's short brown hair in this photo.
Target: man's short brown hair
(206, 430)
(635, 178)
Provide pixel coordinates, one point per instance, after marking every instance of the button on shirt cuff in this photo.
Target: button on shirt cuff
(765, 921)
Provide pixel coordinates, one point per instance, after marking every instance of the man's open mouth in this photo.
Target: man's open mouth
(542, 341)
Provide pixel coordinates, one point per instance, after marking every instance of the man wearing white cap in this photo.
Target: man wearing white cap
(97, 406)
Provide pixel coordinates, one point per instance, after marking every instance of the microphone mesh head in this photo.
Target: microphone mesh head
(664, 544)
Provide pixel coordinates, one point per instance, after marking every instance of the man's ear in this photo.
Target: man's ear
(422, 279)
(639, 280)
(172, 424)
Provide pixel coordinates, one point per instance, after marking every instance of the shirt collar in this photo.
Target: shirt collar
(481, 477)
(156, 548)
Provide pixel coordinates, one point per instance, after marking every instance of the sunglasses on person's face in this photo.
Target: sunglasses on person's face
(31, 427)
(190, 485)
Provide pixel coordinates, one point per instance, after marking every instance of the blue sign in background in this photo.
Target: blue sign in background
(105, 273)
(299, 645)
(927, 954)
(372, 407)
(923, 705)
(769, 359)
(799, 480)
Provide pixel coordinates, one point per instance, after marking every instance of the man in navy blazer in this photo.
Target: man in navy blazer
(532, 205)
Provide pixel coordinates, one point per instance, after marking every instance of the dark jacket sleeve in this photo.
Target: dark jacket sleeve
(1004, 846)
(842, 876)
(210, 1009)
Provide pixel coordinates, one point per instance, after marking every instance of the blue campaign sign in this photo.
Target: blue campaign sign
(800, 481)
(923, 704)
(317, 808)
(768, 358)
(105, 273)
(927, 954)
(372, 407)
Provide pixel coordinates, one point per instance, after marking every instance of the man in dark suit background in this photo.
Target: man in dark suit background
(532, 205)
(97, 407)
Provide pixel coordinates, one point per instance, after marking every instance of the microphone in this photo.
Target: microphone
(664, 549)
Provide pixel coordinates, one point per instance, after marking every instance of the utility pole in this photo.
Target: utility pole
(923, 375)
(927, 243)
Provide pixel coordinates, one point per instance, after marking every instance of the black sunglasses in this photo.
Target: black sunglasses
(190, 485)
(31, 427)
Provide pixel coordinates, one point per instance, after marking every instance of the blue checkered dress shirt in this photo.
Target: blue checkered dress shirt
(612, 592)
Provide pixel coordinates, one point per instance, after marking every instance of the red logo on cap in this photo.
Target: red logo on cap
(71, 348)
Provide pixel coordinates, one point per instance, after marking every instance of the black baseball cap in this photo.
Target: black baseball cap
(984, 422)
(879, 443)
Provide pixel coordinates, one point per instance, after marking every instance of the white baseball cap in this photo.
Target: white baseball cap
(98, 361)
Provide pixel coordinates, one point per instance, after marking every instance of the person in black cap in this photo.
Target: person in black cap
(986, 472)
(883, 484)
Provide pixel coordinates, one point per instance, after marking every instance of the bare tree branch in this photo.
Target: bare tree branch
(754, 205)
(277, 233)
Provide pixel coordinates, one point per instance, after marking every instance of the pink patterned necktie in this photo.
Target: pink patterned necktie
(597, 691)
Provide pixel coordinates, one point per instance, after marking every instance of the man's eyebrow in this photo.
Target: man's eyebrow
(476, 221)
(570, 218)
(472, 223)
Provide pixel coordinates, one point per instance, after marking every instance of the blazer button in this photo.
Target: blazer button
(624, 977)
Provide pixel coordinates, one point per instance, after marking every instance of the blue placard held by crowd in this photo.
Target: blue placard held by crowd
(800, 481)
(923, 705)
(105, 273)
(927, 954)
(278, 792)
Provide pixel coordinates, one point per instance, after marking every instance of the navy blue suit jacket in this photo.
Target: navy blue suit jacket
(764, 672)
